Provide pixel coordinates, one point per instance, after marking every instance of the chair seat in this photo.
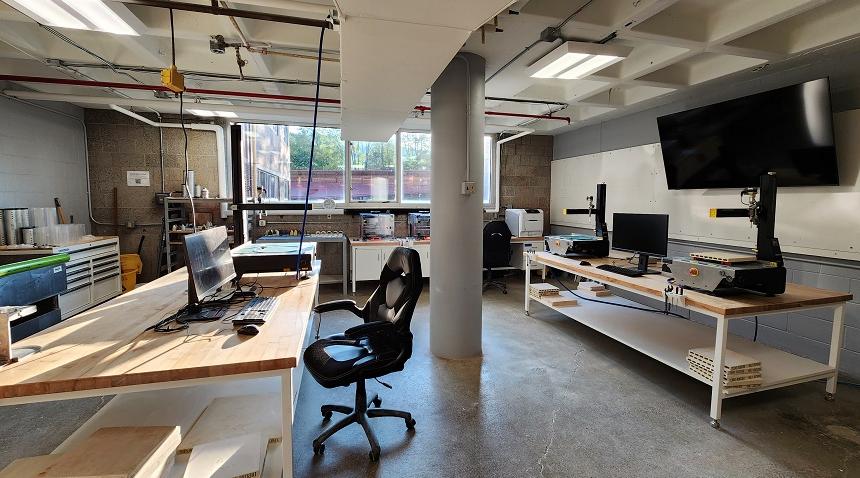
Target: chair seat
(338, 360)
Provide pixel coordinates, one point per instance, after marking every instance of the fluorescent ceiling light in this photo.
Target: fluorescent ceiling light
(564, 62)
(77, 14)
(47, 12)
(210, 113)
(589, 66)
(575, 60)
(101, 16)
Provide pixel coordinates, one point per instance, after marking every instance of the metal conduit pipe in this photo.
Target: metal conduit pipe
(230, 12)
(241, 94)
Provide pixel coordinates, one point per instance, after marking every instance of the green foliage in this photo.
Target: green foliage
(329, 152)
(415, 151)
(374, 156)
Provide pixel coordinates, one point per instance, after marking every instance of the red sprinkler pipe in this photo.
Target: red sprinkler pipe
(243, 94)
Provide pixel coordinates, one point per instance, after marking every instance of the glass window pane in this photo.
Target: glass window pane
(488, 168)
(329, 164)
(275, 162)
(415, 156)
(372, 170)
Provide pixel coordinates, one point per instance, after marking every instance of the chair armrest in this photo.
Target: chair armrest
(369, 328)
(339, 305)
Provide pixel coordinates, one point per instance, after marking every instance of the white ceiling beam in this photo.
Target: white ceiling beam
(737, 19)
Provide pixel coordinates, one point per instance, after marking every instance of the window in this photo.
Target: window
(329, 168)
(275, 164)
(415, 157)
(276, 158)
(372, 169)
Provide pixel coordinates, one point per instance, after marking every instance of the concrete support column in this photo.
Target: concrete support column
(457, 125)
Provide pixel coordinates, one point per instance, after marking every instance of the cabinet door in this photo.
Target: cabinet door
(424, 254)
(367, 263)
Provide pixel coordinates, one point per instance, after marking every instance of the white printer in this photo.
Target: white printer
(525, 222)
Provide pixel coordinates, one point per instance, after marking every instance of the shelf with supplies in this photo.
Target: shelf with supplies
(177, 213)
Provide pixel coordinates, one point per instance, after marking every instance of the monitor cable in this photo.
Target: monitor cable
(626, 306)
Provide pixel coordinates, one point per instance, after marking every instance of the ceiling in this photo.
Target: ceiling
(677, 45)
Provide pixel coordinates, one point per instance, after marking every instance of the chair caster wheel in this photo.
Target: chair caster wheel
(377, 402)
(319, 448)
(715, 424)
(326, 416)
(829, 397)
(410, 424)
(374, 456)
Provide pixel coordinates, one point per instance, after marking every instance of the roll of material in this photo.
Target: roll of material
(43, 216)
(28, 235)
(189, 181)
(58, 235)
(14, 219)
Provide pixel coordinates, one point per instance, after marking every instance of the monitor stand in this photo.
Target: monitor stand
(643, 265)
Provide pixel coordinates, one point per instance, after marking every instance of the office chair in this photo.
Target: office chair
(497, 252)
(379, 346)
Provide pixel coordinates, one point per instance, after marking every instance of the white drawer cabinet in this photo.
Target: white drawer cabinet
(424, 254)
(367, 261)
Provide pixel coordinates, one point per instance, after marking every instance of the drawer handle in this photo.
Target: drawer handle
(106, 277)
(69, 291)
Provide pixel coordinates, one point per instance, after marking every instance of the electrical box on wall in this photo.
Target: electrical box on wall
(469, 187)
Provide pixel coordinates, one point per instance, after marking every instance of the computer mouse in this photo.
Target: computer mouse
(248, 329)
(584, 263)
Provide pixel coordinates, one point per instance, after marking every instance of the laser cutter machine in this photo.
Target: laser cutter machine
(581, 245)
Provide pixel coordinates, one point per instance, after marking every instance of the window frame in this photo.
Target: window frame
(397, 203)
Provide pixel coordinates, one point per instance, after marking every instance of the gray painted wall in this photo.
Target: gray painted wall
(42, 156)
(808, 333)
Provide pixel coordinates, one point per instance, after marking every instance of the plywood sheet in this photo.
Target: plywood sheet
(234, 457)
(29, 467)
(119, 452)
(227, 417)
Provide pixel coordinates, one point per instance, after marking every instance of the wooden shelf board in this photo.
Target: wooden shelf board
(668, 339)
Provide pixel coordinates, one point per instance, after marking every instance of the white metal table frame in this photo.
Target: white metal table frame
(721, 338)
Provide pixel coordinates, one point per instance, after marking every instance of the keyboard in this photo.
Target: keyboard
(625, 271)
(256, 311)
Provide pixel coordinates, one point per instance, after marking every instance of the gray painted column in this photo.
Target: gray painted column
(457, 124)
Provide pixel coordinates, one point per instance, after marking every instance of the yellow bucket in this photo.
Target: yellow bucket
(130, 262)
(129, 281)
(131, 265)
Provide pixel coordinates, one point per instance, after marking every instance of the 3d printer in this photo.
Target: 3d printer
(580, 245)
(721, 272)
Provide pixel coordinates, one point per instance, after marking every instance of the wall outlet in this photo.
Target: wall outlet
(469, 187)
(261, 222)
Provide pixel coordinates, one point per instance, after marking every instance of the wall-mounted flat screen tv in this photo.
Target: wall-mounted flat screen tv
(730, 144)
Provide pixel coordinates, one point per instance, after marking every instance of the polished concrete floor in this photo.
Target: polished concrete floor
(549, 397)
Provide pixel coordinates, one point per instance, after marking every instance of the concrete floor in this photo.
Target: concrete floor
(548, 398)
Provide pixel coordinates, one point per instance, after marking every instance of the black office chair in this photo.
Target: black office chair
(497, 252)
(378, 347)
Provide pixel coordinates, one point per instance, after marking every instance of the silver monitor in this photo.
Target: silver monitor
(210, 265)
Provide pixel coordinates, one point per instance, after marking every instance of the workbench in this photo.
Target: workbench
(106, 351)
(668, 339)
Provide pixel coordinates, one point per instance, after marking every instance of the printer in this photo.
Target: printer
(524, 222)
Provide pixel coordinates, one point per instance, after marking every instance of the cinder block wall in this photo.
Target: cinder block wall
(524, 175)
(118, 143)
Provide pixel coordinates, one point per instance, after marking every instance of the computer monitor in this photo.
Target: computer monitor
(210, 265)
(645, 234)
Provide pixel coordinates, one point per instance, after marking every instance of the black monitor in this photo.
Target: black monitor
(210, 265)
(645, 234)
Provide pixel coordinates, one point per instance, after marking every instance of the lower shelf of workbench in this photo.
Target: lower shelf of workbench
(667, 339)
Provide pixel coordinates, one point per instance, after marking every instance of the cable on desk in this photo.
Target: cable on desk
(626, 306)
(755, 334)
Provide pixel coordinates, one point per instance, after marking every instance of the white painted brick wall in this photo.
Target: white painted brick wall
(42, 156)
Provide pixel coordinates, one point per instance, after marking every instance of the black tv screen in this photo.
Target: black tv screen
(729, 145)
